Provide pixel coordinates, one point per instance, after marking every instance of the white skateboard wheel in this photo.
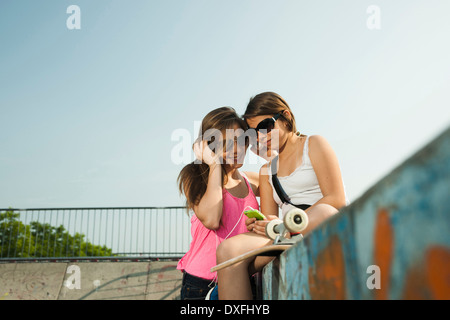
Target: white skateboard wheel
(296, 220)
(271, 228)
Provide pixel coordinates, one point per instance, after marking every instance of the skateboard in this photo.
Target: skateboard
(284, 234)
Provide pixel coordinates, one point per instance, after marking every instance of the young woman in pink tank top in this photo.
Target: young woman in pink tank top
(218, 194)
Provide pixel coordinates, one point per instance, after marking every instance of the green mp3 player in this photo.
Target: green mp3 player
(254, 214)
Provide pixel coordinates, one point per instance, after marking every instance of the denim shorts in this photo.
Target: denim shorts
(194, 288)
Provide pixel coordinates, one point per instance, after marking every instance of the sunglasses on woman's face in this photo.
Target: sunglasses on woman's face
(267, 124)
(228, 144)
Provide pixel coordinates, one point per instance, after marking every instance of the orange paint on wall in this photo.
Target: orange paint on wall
(416, 287)
(430, 278)
(327, 278)
(383, 250)
(438, 272)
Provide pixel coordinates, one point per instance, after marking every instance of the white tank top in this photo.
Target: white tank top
(301, 185)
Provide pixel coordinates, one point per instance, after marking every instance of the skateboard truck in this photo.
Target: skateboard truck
(284, 236)
(287, 231)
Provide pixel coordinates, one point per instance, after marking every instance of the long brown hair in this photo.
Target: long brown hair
(270, 103)
(193, 178)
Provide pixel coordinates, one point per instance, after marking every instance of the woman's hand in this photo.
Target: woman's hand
(204, 153)
(259, 226)
(250, 223)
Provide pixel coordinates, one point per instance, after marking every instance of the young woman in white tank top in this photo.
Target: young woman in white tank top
(301, 185)
(309, 173)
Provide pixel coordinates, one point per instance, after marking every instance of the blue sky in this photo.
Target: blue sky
(87, 115)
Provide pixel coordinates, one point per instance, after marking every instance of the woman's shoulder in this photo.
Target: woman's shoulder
(317, 142)
(319, 147)
(315, 138)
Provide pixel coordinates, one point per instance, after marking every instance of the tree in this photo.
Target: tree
(42, 240)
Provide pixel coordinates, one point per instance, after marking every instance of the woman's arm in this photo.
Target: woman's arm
(268, 205)
(328, 172)
(209, 209)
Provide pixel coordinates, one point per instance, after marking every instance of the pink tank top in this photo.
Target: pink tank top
(201, 256)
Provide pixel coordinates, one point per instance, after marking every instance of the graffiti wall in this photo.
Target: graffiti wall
(392, 243)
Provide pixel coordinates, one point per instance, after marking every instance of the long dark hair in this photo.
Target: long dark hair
(193, 178)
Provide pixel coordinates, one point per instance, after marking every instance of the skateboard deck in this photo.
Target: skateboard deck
(270, 250)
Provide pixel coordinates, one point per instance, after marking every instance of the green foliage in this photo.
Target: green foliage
(42, 240)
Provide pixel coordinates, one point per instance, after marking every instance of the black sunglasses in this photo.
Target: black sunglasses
(267, 124)
(228, 144)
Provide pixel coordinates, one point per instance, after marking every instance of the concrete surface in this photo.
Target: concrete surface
(392, 243)
(154, 280)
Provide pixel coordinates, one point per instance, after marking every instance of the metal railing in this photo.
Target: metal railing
(94, 233)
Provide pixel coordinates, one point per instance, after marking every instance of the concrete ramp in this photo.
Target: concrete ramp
(154, 280)
(392, 243)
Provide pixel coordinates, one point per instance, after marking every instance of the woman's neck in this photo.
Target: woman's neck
(289, 146)
(231, 176)
(232, 173)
